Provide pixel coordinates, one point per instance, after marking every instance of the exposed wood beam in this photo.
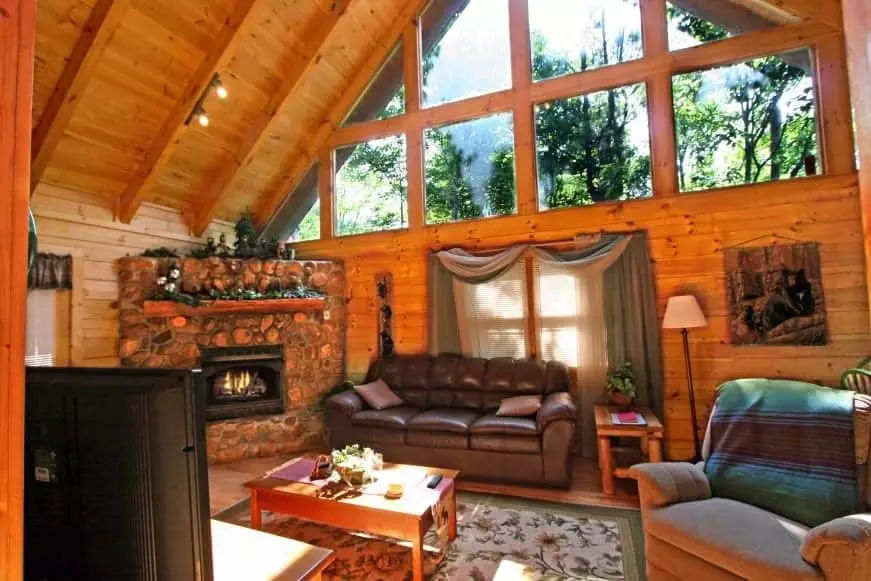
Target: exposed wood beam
(834, 107)
(77, 74)
(17, 41)
(414, 157)
(857, 29)
(303, 161)
(326, 194)
(826, 12)
(174, 128)
(208, 203)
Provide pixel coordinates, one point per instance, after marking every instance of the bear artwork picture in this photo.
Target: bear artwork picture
(775, 295)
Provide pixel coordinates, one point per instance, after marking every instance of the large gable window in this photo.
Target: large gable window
(471, 56)
(371, 187)
(746, 123)
(470, 170)
(573, 36)
(593, 148)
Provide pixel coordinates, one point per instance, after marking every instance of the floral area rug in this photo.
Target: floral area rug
(498, 538)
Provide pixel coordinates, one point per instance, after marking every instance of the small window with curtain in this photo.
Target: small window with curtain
(492, 316)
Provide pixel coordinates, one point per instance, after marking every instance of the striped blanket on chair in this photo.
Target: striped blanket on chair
(785, 446)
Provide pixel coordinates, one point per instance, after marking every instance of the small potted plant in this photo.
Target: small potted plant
(353, 463)
(621, 387)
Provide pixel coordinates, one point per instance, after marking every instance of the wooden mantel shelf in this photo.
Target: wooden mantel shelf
(173, 309)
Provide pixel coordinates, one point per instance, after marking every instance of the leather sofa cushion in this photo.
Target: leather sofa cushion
(416, 373)
(557, 377)
(443, 420)
(443, 372)
(396, 418)
(529, 376)
(374, 435)
(502, 443)
(439, 440)
(743, 539)
(506, 425)
(500, 374)
(470, 373)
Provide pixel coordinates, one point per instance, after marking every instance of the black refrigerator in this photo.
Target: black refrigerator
(116, 484)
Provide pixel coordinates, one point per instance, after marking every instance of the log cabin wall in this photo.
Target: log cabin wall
(82, 224)
(687, 235)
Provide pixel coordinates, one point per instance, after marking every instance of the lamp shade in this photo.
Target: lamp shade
(683, 312)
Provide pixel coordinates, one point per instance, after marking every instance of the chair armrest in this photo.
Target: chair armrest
(840, 547)
(665, 483)
(346, 402)
(556, 406)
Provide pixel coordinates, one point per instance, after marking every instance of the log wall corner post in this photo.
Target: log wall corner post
(857, 29)
(17, 37)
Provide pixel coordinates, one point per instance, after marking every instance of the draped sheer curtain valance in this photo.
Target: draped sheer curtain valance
(592, 307)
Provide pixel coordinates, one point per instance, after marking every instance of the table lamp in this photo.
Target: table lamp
(683, 312)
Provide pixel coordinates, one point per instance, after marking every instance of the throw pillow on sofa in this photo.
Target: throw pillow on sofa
(378, 395)
(519, 406)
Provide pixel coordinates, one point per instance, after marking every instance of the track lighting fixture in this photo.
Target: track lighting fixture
(199, 109)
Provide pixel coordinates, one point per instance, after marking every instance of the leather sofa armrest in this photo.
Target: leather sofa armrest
(346, 402)
(841, 548)
(665, 483)
(556, 406)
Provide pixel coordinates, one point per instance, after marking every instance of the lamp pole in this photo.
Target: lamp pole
(697, 452)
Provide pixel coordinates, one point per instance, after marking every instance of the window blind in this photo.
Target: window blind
(563, 305)
(40, 333)
(492, 316)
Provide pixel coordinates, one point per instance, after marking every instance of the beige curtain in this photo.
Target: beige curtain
(456, 264)
(570, 321)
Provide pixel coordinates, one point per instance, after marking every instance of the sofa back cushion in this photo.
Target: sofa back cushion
(455, 381)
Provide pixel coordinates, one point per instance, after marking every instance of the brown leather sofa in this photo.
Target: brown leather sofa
(448, 418)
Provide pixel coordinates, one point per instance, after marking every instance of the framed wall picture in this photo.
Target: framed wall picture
(775, 295)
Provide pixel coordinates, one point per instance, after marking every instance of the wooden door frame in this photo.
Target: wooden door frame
(17, 38)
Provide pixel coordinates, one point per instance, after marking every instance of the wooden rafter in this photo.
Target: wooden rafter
(78, 72)
(272, 200)
(209, 201)
(174, 128)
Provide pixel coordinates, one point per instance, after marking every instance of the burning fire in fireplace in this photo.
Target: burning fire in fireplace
(239, 384)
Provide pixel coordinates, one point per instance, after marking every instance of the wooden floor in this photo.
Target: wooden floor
(225, 485)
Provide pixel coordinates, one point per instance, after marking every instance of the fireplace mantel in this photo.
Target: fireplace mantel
(153, 309)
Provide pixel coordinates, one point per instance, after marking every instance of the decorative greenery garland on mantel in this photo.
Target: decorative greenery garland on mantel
(196, 300)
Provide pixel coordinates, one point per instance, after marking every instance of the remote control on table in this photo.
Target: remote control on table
(434, 481)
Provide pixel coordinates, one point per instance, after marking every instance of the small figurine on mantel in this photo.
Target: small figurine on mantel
(211, 247)
(223, 249)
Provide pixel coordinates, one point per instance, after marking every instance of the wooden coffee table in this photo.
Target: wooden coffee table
(287, 490)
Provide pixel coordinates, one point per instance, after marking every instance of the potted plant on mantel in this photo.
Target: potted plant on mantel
(621, 387)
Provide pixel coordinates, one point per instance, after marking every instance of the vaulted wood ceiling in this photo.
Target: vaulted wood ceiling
(116, 79)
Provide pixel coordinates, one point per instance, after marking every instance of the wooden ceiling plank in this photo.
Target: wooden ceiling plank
(78, 72)
(174, 128)
(272, 200)
(208, 203)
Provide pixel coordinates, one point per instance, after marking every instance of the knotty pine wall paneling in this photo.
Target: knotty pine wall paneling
(83, 224)
(687, 235)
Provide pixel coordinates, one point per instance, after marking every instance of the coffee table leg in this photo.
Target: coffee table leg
(255, 510)
(452, 513)
(417, 559)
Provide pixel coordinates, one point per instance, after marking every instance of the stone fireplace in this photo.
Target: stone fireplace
(265, 363)
(243, 381)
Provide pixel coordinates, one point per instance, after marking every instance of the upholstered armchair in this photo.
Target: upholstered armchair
(692, 534)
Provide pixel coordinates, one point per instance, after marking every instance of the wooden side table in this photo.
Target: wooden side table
(650, 435)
